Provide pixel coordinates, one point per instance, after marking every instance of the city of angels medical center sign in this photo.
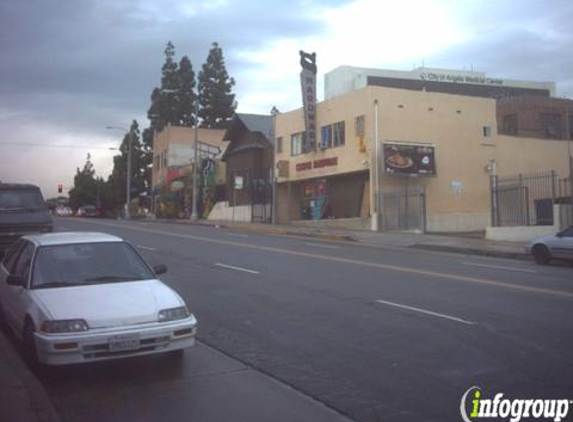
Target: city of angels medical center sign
(308, 86)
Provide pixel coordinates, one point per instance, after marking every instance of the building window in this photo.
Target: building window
(487, 131)
(280, 144)
(332, 135)
(296, 143)
(551, 124)
(510, 124)
(359, 125)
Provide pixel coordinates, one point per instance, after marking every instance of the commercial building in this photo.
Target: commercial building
(172, 174)
(249, 160)
(410, 153)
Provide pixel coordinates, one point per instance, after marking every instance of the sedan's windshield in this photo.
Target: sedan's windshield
(86, 264)
(16, 199)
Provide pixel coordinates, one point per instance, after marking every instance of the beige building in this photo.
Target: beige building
(363, 133)
(173, 153)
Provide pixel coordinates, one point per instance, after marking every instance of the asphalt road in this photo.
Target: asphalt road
(296, 329)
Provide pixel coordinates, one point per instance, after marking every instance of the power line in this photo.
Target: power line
(34, 144)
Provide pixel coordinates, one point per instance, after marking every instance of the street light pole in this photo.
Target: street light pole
(194, 216)
(128, 177)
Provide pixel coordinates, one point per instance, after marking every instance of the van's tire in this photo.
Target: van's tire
(541, 254)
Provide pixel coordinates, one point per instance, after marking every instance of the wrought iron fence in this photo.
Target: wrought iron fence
(524, 199)
(404, 210)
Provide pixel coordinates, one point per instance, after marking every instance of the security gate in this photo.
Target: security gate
(261, 196)
(404, 210)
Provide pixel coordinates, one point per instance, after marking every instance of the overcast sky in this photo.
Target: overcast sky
(69, 68)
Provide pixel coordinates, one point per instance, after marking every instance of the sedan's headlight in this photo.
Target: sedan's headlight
(64, 326)
(173, 314)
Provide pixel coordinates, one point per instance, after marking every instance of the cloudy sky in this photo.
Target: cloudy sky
(69, 68)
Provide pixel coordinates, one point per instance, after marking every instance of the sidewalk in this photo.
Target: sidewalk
(454, 243)
(22, 397)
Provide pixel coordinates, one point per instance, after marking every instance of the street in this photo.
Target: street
(298, 329)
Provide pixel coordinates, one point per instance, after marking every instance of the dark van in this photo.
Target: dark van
(22, 211)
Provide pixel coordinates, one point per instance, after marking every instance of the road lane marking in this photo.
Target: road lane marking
(146, 248)
(237, 235)
(423, 311)
(406, 270)
(318, 245)
(499, 267)
(232, 267)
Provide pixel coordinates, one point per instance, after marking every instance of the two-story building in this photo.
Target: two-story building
(407, 154)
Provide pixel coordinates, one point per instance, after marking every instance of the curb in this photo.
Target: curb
(38, 403)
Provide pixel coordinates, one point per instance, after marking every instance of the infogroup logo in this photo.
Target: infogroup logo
(513, 409)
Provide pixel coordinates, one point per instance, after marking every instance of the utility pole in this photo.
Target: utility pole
(194, 216)
(274, 112)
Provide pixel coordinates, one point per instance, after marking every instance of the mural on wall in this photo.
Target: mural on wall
(209, 172)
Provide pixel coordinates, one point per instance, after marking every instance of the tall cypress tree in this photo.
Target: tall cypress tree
(186, 93)
(165, 102)
(215, 97)
(170, 86)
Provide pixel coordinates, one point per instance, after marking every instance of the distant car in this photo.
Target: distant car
(77, 297)
(87, 211)
(555, 246)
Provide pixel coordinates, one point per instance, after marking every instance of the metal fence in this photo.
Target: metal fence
(565, 200)
(404, 210)
(524, 199)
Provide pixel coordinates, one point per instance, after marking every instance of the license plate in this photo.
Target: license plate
(122, 343)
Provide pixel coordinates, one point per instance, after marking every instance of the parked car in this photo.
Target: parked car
(76, 297)
(88, 211)
(555, 246)
(22, 211)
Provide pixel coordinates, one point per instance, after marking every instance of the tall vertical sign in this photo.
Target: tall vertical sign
(308, 85)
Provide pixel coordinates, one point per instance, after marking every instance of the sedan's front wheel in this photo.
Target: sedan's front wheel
(541, 254)
(29, 345)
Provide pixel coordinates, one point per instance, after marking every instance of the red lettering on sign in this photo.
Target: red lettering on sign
(325, 162)
(304, 166)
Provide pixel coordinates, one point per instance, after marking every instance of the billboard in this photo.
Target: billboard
(409, 159)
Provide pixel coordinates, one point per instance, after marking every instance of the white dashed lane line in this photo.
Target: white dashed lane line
(232, 267)
(426, 312)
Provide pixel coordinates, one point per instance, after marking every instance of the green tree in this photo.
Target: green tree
(164, 100)
(117, 181)
(85, 190)
(186, 95)
(216, 100)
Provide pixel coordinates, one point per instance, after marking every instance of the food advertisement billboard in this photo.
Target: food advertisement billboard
(409, 159)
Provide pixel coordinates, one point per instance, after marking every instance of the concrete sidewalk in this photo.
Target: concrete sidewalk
(470, 244)
(22, 397)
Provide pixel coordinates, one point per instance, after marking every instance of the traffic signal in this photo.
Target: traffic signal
(60, 188)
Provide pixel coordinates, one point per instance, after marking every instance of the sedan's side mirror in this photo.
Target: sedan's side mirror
(159, 269)
(15, 280)
(560, 234)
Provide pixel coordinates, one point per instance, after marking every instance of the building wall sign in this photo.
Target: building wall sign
(317, 164)
(308, 86)
(409, 159)
(468, 79)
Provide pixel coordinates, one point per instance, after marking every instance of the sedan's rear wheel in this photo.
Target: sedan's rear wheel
(541, 254)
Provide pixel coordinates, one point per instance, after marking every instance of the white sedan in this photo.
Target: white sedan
(80, 297)
(555, 246)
